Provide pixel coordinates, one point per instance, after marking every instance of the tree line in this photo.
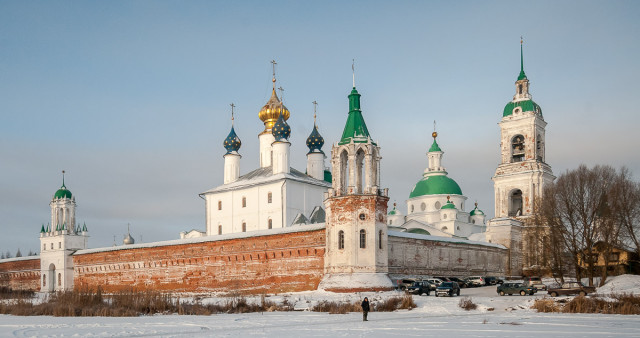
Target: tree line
(584, 216)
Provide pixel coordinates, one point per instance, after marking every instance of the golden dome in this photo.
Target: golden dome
(271, 111)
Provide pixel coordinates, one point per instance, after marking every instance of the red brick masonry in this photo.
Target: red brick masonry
(20, 273)
(283, 262)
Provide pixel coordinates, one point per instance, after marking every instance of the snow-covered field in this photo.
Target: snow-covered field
(508, 316)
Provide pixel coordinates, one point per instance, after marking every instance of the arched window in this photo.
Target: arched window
(380, 239)
(519, 89)
(340, 239)
(44, 280)
(269, 198)
(539, 147)
(363, 239)
(244, 227)
(219, 229)
(423, 206)
(59, 279)
(44, 246)
(219, 205)
(244, 202)
(438, 205)
(270, 222)
(517, 148)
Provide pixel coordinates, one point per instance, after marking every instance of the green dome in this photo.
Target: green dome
(436, 185)
(449, 205)
(476, 211)
(526, 105)
(63, 192)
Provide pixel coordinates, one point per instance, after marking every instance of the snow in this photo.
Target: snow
(360, 280)
(496, 316)
(214, 238)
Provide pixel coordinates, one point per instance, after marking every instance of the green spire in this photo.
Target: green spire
(355, 130)
(522, 75)
(434, 146)
(42, 229)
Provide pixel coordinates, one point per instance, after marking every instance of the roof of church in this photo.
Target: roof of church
(436, 185)
(265, 175)
(525, 105)
(355, 130)
(448, 205)
(63, 192)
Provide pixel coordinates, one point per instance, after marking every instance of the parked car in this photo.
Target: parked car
(433, 283)
(419, 288)
(403, 284)
(448, 289)
(511, 288)
(571, 288)
(460, 282)
(536, 282)
(490, 280)
(475, 281)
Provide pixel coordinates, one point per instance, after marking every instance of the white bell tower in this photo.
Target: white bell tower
(59, 240)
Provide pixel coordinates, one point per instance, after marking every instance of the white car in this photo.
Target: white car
(433, 283)
(475, 280)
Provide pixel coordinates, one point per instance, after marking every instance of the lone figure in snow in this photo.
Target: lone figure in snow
(365, 309)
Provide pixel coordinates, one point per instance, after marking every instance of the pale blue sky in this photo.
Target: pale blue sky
(131, 98)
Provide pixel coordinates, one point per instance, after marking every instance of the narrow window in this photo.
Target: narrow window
(44, 280)
(51, 246)
(244, 227)
(269, 198)
(219, 229)
(380, 239)
(363, 239)
(44, 247)
(59, 279)
(340, 239)
(270, 223)
(59, 245)
(219, 205)
(519, 89)
(244, 202)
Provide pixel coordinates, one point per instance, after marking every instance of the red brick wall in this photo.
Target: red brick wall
(20, 273)
(270, 263)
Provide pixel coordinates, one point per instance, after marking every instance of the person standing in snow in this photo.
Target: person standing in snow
(365, 309)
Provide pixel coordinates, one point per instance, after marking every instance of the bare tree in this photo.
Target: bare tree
(627, 209)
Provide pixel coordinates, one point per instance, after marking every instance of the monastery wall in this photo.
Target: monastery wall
(22, 273)
(278, 260)
(422, 255)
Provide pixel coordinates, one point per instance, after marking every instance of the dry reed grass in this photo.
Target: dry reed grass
(467, 304)
(622, 304)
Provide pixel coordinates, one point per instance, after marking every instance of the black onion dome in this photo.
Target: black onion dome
(281, 130)
(232, 143)
(315, 141)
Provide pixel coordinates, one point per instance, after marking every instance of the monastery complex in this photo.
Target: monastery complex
(327, 226)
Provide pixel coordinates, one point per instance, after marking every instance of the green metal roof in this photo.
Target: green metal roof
(63, 192)
(449, 205)
(436, 185)
(476, 211)
(434, 146)
(355, 129)
(526, 105)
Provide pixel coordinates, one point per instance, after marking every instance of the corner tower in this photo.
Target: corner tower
(356, 256)
(523, 172)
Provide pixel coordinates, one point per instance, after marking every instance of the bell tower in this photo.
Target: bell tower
(356, 254)
(523, 172)
(59, 240)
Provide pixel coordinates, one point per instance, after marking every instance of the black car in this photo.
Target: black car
(448, 289)
(460, 282)
(490, 280)
(419, 288)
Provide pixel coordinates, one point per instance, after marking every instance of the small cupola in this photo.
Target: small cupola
(281, 130)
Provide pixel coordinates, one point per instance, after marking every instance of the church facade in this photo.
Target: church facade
(277, 229)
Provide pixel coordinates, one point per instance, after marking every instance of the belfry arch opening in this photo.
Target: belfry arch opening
(51, 278)
(359, 166)
(515, 203)
(344, 171)
(517, 148)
